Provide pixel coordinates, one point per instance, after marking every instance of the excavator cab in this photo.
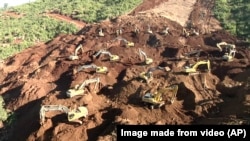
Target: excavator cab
(74, 92)
(129, 44)
(102, 69)
(157, 99)
(148, 61)
(114, 58)
(77, 113)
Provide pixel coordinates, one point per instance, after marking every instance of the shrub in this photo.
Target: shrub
(3, 111)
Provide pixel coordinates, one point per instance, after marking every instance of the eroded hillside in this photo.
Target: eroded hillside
(42, 74)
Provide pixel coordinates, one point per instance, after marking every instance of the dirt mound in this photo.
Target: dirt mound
(41, 75)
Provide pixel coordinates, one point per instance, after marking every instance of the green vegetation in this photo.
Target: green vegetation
(84, 10)
(3, 112)
(19, 33)
(234, 16)
(33, 25)
(5, 115)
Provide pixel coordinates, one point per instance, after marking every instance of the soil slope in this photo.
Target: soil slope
(42, 74)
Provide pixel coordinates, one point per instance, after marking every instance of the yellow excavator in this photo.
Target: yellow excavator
(148, 76)
(75, 55)
(147, 60)
(149, 30)
(157, 98)
(119, 32)
(192, 32)
(230, 51)
(192, 69)
(80, 89)
(225, 44)
(72, 115)
(127, 43)
(165, 31)
(98, 69)
(111, 56)
(100, 33)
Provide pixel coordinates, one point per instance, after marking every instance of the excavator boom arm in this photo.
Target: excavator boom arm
(120, 38)
(142, 53)
(230, 46)
(47, 108)
(173, 89)
(202, 63)
(87, 82)
(151, 70)
(103, 52)
(77, 49)
(86, 66)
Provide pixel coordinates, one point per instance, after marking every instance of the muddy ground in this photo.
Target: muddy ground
(42, 74)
